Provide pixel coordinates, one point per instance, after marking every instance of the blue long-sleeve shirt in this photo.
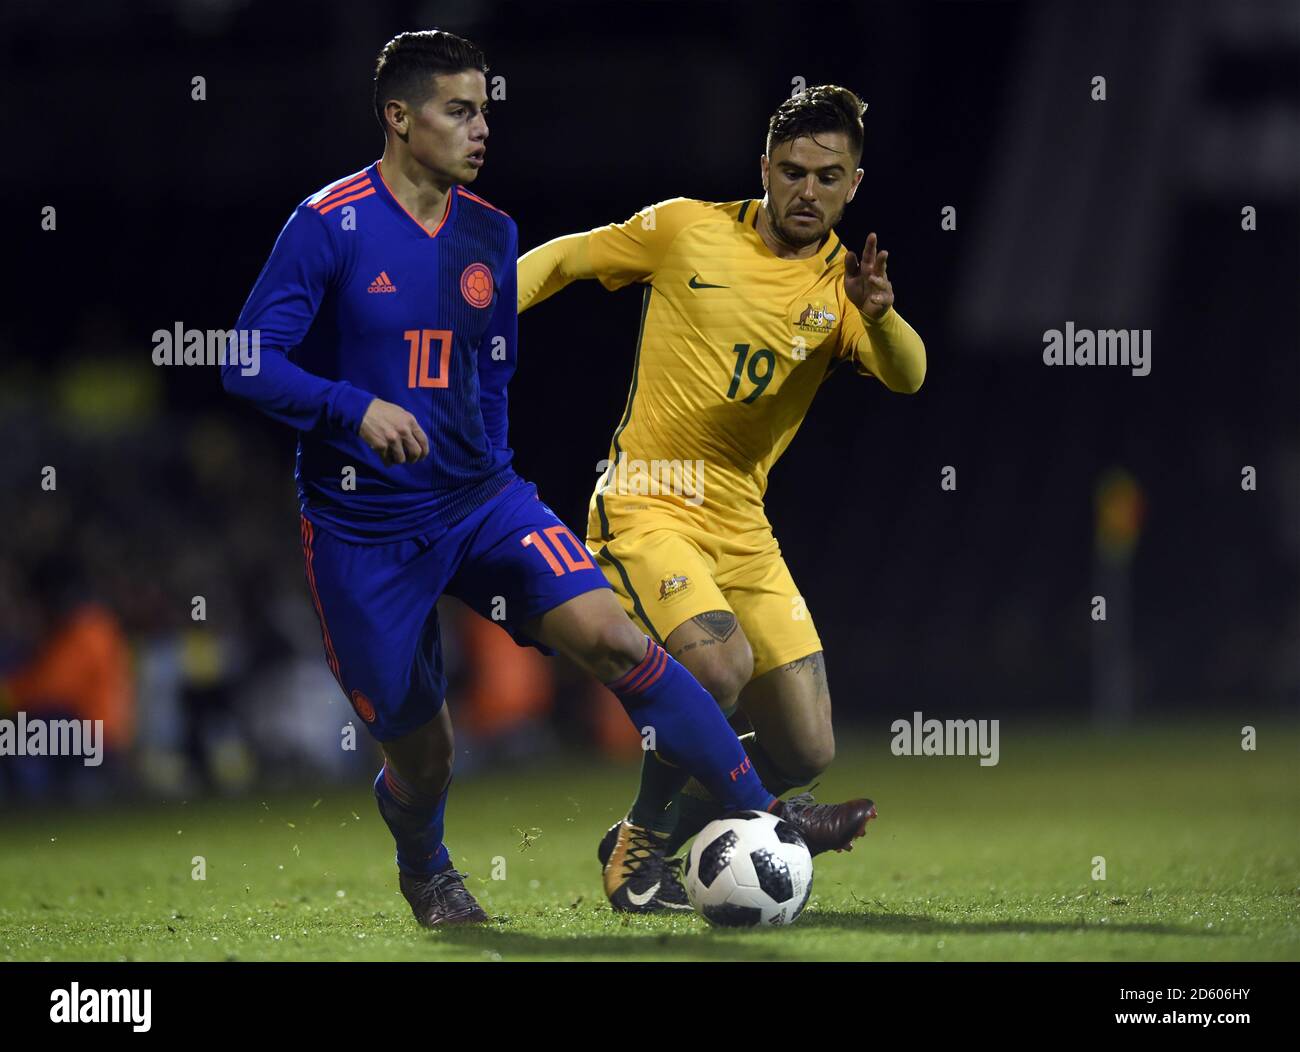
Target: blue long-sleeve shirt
(359, 301)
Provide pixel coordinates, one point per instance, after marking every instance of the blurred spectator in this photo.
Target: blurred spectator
(79, 669)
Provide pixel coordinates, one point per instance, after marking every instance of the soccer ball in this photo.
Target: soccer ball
(749, 869)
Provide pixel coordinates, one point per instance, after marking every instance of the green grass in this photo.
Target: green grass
(965, 863)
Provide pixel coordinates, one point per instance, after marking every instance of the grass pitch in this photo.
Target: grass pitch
(1201, 842)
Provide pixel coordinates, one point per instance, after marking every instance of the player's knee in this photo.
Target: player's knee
(429, 772)
(722, 671)
(807, 761)
(614, 647)
(433, 779)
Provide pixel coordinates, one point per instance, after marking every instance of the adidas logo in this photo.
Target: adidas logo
(383, 283)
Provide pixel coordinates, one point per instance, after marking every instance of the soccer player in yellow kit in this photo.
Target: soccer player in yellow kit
(748, 305)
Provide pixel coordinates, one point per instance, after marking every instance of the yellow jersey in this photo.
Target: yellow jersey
(733, 344)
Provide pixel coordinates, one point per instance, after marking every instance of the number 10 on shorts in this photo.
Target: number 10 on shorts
(558, 539)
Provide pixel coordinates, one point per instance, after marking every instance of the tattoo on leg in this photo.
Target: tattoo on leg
(720, 624)
(816, 664)
(692, 646)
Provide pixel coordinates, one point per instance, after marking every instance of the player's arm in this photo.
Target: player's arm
(546, 269)
(497, 352)
(875, 335)
(618, 254)
(281, 309)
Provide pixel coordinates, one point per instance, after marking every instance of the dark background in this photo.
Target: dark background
(1117, 214)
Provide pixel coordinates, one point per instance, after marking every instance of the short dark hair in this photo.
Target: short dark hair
(409, 62)
(825, 108)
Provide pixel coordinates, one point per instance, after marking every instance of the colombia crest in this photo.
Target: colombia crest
(476, 285)
(363, 706)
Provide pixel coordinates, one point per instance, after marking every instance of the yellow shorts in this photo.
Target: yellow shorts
(667, 570)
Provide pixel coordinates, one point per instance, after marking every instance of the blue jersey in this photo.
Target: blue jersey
(360, 301)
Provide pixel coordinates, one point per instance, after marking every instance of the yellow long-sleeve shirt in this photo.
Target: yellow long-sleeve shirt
(734, 342)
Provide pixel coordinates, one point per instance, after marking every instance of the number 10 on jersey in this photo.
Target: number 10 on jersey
(421, 341)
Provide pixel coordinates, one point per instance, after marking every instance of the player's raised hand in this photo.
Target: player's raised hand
(865, 280)
(393, 433)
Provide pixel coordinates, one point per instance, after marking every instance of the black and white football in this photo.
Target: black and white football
(749, 869)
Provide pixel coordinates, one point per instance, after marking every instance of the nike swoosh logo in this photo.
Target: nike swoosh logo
(642, 899)
(696, 283)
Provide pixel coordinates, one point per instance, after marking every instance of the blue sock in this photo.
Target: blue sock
(689, 729)
(416, 822)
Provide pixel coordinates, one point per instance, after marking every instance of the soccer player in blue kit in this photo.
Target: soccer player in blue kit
(387, 330)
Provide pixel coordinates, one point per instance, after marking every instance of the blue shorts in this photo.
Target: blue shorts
(510, 559)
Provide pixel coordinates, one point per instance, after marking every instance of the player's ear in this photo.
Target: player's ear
(762, 168)
(396, 116)
(853, 188)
